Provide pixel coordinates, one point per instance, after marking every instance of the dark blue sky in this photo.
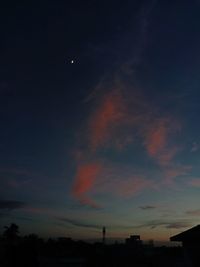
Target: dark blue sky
(112, 139)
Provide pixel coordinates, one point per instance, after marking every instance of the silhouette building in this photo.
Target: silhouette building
(191, 244)
(133, 240)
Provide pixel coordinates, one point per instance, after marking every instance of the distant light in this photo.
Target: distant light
(72, 61)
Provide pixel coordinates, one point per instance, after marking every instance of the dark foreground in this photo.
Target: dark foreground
(33, 251)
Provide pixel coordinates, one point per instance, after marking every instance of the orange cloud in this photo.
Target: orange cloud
(106, 118)
(84, 180)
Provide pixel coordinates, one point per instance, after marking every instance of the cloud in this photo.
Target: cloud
(156, 138)
(168, 225)
(177, 225)
(166, 156)
(36, 210)
(85, 178)
(132, 186)
(147, 207)
(119, 181)
(11, 205)
(195, 147)
(14, 183)
(15, 171)
(97, 178)
(157, 135)
(78, 223)
(193, 212)
(194, 182)
(105, 119)
(86, 201)
(17, 178)
(172, 172)
(121, 118)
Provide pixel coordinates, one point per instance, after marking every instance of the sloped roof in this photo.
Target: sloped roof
(192, 234)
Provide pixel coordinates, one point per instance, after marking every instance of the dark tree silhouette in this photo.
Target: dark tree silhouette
(11, 232)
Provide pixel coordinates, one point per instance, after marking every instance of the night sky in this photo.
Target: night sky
(99, 111)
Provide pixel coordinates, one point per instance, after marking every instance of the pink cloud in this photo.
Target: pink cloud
(108, 115)
(117, 121)
(171, 172)
(133, 186)
(167, 155)
(119, 181)
(157, 139)
(86, 201)
(85, 178)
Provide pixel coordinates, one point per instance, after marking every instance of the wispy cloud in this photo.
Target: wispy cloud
(16, 171)
(132, 186)
(94, 178)
(174, 171)
(85, 224)
(11, 205)
(166, 224)
(194, 182)
(195, 147)
(85, 177)
(84, 180)
(157, 140)
(17, 178)
(105, 120)
(178, 225)
(87, 201)
(120, 118)
(115, 122)
(78, 223)
(147, 207)
(120, 181)
(193, 212)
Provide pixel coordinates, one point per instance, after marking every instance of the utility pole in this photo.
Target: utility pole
(103, 234)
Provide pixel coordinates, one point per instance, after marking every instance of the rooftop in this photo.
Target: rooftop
(192, 234)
